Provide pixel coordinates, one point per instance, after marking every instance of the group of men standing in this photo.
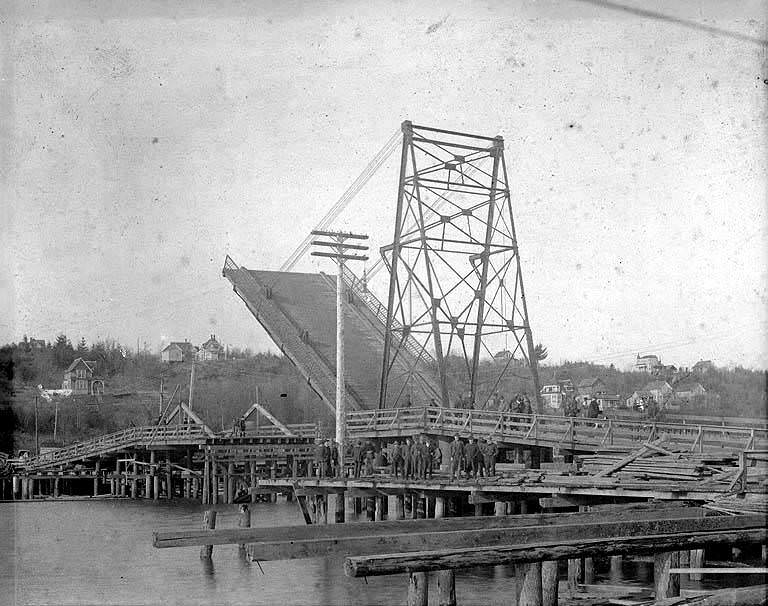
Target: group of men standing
(591, 408)
(414, 459)
(326, 458)
(473, 458)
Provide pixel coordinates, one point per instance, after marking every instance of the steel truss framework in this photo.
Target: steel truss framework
(456, 287)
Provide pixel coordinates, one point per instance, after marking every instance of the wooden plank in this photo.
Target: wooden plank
(301, 501)
(376, 565)
(728, 570)
(626, 460)
(186, 538)
(410, 542)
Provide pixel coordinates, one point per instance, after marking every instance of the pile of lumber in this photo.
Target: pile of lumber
(652, 461)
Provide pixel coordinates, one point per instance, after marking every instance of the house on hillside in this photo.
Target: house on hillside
(591, 387)
(211, 350)
(703, 367)
(80, 379)
(553, 395)
(36, 344)
(689, 390)
(608, 401)
(650, 364)
(178, 351)
(660, 390)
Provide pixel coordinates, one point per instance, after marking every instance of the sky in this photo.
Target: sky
(142, 142)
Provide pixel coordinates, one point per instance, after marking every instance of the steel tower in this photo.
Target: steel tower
(455, 286)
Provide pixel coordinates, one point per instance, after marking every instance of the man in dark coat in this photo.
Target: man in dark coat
(457, 454)
(471, 453)
(357, 457)
(407, 460)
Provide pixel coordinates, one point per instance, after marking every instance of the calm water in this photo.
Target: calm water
(101, 552)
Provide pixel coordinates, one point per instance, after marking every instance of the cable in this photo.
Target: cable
(379, 159)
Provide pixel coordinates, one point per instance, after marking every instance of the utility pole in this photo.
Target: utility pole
(336, 241)
(37, 437)
(55, 419)
(192, 385)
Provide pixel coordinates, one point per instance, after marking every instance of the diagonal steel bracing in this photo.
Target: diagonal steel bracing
(456, 286)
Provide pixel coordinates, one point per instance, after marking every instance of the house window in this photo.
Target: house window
(80, 373)
(80, 385)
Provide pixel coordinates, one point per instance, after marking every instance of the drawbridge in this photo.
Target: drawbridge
(298, 311)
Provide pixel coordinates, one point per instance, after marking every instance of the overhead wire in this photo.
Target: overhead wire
(383, 154)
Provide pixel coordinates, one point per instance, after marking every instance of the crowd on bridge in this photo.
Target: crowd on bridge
(416, 458)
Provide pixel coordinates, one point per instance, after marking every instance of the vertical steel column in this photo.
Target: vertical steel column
(407, 128)
(533, 363)
(498, 147)
(442, 371)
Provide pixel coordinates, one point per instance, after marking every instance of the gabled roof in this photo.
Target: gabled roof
(90, 365)
(689, 386)
(211, 343)
(184, 346)
(647, 357)
(656, 385)
(589, 382)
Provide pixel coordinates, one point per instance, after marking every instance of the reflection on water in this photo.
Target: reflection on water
(101, 552)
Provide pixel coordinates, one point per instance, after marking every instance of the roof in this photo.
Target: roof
(210, 343)
(647, 357)
(689, 386)
(589, 382)
(90, 365)
(182, 345)
(656, 385)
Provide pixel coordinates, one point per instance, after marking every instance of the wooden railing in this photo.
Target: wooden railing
(134, 436)
(579, 432)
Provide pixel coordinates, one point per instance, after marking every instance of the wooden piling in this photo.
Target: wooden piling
(549, 583)
(421, 507)
(350, 513)
(370, 509)
(616, 566)
(696, 561)
(394, 507)
(574, 575)
(589, 571)
(134, 482)
(243, 521)
(418, 589)
(252, 478)
(214, 482)
(446, 579)
(529, 579)
(152, 480)
(418, 582)
(764, 554)
(231, 483)
(97, 470)
(206, 498)
(499, 508)
(209, 523)
(169, 476)
(667, 584)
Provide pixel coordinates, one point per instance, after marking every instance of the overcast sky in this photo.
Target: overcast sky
(141, 142)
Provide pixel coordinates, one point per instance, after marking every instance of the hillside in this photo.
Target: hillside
(225, 389)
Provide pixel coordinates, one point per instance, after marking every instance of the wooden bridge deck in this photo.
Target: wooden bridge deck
(577, 434)
(573, 433)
